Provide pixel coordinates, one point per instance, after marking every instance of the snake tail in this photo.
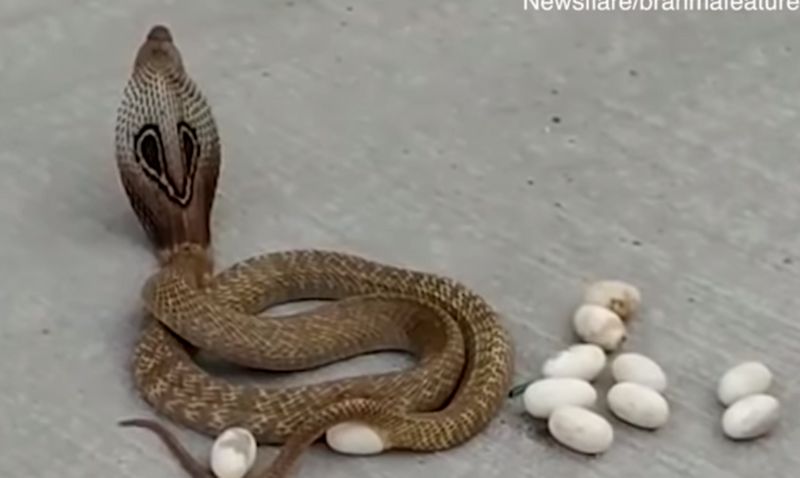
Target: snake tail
(189, 463)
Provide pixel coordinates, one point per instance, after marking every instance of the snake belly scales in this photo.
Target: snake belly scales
(168, 154)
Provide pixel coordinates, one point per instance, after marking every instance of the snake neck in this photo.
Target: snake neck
(192, 261)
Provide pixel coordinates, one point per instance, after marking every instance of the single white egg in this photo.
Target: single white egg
(233, 453)
(597, 325)
(638, 405)
(751, 417)
(583, 361)
(747, 378)
(580, 429)
(621, 297)
(354, 438)
(637, 368)
(545, 395)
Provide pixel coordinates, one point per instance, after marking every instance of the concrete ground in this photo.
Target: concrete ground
(523, 153)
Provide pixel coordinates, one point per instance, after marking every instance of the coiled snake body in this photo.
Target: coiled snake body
(168, 154)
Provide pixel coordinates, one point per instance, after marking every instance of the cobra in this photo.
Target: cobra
(168, 153)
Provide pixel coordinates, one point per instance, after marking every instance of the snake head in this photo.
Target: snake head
(167, 147)
(158, 51)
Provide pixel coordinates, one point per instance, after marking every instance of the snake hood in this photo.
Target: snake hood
(167, 147)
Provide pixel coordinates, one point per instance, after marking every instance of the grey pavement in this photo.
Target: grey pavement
(524, 153)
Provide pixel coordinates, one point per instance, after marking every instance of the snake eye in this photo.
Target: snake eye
(191, 149)
(149, 150)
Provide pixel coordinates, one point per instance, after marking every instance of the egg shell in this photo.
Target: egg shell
(638, 405)
(583, 361)
(747, 378)
(545, 395)
(619, 296)
(580, 429)
(638, 368)
(233, 453)
(354, 438)
(597, 325)
(751, 417)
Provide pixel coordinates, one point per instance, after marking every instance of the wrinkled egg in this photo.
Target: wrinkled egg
(622, 298)
(637, 368)
(233, 453)
(584, 361)
(545, 395)
(638, 405)
(354, 438)
(747, 378)
(751, 417)
(600, 326)
(580, 429)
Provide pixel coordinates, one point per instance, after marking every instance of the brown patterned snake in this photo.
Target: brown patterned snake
(168, 154)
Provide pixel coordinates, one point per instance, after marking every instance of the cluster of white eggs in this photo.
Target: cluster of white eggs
(750, 411)
(566, 397)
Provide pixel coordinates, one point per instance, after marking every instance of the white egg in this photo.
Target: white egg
(637, 368)
(233, 453)
(584, 361)
(751, 417)
(600, 326)
(545, 395)
(580, 429)
(638, 405)
(748, 378)
(622, 298)
(354, 438)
